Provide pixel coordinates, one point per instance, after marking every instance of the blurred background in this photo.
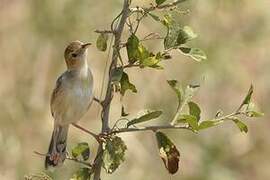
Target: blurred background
(235, 36)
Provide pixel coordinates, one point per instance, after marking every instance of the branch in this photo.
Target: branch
(107, 101)
(155, 128)
(148, 128)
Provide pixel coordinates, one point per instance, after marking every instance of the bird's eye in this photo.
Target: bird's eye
(74, 55)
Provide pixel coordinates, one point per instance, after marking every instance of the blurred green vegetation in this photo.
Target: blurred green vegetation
(235, 36)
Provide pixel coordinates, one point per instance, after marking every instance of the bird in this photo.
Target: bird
(70, 100)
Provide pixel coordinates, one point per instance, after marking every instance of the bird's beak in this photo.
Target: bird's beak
(86, 45)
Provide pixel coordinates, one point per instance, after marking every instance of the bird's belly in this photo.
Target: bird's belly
(76, 105)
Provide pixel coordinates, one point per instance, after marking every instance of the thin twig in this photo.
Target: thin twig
(130, 65)
(160, 7)
(114, 20)
(104, 31)
(87, 131)
(68, 158)
(98, 101)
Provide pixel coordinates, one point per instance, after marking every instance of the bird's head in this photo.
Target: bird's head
(75, 54)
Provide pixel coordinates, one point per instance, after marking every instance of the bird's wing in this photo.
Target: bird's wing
(57, 94)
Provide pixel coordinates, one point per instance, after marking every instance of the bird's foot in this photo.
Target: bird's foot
(55, 157)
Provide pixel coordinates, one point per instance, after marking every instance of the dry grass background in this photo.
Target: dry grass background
(234, 34)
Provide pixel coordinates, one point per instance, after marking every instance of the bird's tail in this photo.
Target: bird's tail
(57, 149)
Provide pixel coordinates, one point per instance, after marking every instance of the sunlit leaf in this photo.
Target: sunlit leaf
(194, 110)
(247, 99)
(171, 37)
(137, 52)
(158, 2)
(177, 89)
(143, 53)
(248, 96)
(82, 174)
(113, 153)
(167, 20)
(152, 61)
(146, 117)
(194, 53)
(242, 126)
(102, 41)
(185, 34)
(168, 152)
(82, 149)
(190, 119)
(126, 85)
(250, 110)
(254, 114)
(176, 35)
(207, 124)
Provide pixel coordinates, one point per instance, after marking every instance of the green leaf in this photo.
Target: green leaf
(185, 34)
(82, 174)
(146, 117)
(247, 99)
(254, 114)
(132, 48)
(143, 53)
(207, 124)
(190, 119)
(126, 85)
(158, 2)
(248, 96)
(194, 53)
(177, 89)
(113, 153)
(250, 110)
(137, 52)
(82, 149)
(117, 74)
(151, 61)
(168, 152)
(167, 21)
(242, 127)
(194, 110)
(170, 40)
(176, 35)
(102, 41)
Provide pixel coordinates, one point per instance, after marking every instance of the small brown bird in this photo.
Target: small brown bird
(70, 100)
